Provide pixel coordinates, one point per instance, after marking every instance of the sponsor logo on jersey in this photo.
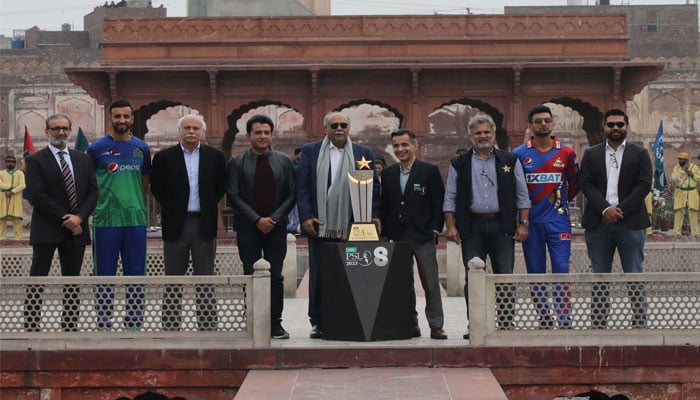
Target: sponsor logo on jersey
(552, 177)
(557, 163)
(116, 152)
(114, 167)
(564, 236)
(527, 161)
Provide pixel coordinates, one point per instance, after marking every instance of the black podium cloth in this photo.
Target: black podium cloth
(366, 292)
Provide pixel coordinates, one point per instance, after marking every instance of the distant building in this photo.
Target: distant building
(241, 8)
(654, 30)
(125, 9)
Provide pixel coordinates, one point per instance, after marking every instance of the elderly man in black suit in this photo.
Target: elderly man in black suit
(412, 196)
(61, 186)
(189, 180)
(615, 178)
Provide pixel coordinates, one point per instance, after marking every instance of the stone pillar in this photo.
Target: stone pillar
(477, 302)
(259, 312)
(455, 270)
(289, 268)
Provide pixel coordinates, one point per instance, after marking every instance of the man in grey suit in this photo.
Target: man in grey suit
(615, 178)
(188, 180)
(61, 186)
(261, 188)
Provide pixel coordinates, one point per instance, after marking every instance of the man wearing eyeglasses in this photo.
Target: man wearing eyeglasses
(487, 205)
(551, 172)
(63, 190)
(323, 198)
(615, 178)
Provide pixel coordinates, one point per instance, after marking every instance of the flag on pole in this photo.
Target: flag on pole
(81, 142)
(27, 151)
(659, 174)
(28, 145)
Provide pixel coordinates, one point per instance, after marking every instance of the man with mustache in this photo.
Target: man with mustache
(63, 190)
(122, 165)
(685, 178)
(11, 186)
(188, 180)
(615, 178)
(551, 172)
(323, 198)
(487, 205)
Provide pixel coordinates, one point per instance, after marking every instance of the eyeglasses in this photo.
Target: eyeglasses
(538, 121)
(59, 128)
(335, 125)
(615, 124)
(483, 174)
(613, 160)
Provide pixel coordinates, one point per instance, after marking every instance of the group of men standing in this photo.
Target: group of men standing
(492, 199)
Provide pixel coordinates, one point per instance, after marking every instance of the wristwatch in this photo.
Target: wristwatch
(524, 223)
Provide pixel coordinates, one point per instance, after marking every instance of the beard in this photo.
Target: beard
(57, 142)
(616, 136)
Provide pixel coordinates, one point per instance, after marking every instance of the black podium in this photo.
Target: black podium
(366, 293)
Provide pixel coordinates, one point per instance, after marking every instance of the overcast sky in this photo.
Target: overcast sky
(50, 14)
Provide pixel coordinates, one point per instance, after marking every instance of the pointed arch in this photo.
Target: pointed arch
(235, 115)
(592, 117)
(389, 107)
(486, 108)
(139, 129)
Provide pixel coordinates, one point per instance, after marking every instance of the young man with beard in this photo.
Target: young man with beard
(12, 184)
(63, 190)
(122, 165)
(615, 178)
(551, 172)
(487, 205)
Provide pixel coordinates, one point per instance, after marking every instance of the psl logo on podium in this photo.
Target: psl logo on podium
(366, 257)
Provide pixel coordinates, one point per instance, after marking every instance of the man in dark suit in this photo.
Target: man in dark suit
(260, 186)
(61, 186)
(412, 196)
(188, 180)
(615, 178)
(323, 198)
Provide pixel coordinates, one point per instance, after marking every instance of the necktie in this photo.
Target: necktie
(69, 182)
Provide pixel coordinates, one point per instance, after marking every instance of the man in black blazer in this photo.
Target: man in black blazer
(412, 196)
(61, 186)
(188, 180)
(615, 178)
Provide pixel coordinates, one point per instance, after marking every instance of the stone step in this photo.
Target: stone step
(372, 383)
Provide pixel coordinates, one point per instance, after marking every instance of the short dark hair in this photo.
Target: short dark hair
(120, 104)
(401, 132)
(259, 119)
(540, 108)
(297, 150)
(615, 111)
(379, 160)
(10, 157)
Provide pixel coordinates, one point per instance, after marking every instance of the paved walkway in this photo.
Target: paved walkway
(372, 384)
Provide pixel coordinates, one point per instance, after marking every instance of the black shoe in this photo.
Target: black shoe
(466, 336)
(316, 332)
(278, 332)
(415, 332)
(438, 333)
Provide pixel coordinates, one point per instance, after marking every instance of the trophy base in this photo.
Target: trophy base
(363, 232)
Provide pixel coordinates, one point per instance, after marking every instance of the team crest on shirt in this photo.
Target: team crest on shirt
(557, 163)
(138, 153)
